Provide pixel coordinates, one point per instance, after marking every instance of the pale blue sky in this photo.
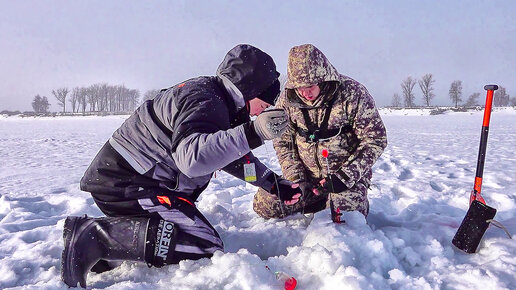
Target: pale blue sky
(45, 45)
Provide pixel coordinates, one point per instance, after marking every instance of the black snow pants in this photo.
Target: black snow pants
(194, 236)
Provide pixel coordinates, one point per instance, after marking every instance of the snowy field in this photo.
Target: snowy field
(419, 196)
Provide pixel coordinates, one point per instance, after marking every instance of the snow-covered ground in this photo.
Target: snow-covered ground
(419, 196)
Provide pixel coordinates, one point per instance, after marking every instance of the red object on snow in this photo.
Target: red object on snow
(290, 284)
(324, 153)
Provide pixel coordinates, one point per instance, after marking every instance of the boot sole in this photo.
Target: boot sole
(67, 268)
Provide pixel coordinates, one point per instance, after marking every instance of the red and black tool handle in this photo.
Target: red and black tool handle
(475, 194)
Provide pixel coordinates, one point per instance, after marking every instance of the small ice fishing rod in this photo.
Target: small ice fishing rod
(290, 282)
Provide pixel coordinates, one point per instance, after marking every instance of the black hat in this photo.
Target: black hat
(252, 71)
(270, 95)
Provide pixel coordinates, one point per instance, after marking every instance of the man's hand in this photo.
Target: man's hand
(330, 184)
(288, 192)
(307, 188)
(271, 124)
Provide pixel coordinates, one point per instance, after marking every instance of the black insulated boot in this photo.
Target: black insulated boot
(88, 240)
(104, 266)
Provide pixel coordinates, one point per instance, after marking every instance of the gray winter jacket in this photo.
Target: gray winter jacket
(192, 129)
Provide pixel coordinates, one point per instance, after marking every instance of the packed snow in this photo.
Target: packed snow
(419, 196)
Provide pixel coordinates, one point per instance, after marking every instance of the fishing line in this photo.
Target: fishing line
(276, 184)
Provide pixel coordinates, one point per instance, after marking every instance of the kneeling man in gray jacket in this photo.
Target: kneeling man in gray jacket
(148, 175)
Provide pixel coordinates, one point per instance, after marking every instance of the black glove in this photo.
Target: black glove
(332, 184)
(306, 188)
(283, 189)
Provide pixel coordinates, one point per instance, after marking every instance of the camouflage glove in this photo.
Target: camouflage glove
(331, 183)
(284, 190)
(271, 124)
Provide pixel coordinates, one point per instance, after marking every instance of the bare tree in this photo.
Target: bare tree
(134, 97)
(44, 104)
(456, 92)
(103, 97)
(110, 97)
(117, 98)
(36, 103)
(472, 100)
(125, 99)
(396, 101)
(513, 101)
(129, 99)
(426, 84)
(74, 98)
(83, 94)
(501, 98)
(60, 94)
(93, 96)
(40, 104)
(407, 87)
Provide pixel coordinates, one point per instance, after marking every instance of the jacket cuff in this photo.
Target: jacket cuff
(252, 137)
(295, 178)
(269, 181)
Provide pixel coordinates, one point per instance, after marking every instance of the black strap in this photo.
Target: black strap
(312, 137)
(316, 133)
(154, 117)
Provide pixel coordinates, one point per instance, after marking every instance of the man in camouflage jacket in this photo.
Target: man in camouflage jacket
(329, 113)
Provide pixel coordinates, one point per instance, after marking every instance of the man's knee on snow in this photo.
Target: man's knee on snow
(351, 200)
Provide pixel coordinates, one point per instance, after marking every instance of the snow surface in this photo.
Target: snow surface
(418, 198)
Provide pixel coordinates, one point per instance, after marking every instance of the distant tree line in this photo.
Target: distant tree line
(95, 98)
(426, 84)
(99, 98)
(103, 97)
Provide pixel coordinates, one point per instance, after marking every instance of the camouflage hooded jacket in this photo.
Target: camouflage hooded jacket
(359, 143)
